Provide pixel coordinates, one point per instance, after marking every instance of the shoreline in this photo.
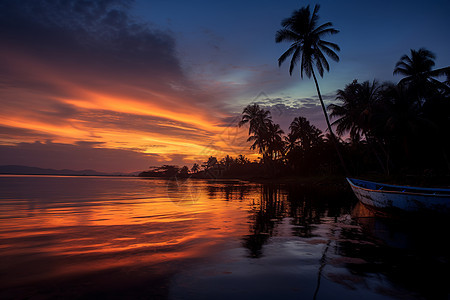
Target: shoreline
(325, 181)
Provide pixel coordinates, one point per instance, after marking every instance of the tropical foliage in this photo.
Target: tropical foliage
(308, 49)
(405, 125)
(386, 128)
(266, 137)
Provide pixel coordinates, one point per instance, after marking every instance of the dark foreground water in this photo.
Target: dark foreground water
(100, 237)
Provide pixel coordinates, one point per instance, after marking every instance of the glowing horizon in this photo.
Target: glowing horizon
(116, 87)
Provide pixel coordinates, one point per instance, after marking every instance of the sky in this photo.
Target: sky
(118, 86)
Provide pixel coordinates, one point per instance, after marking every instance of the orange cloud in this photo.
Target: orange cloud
(133, 96)
(191, 115)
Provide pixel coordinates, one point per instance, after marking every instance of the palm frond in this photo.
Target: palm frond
(286, 35)
(314, 16)
(440, 72)
(307, 50)
(401, 71)
(251, 138)
(286, 54)
(406, 58)
(295, 58)
(336, 110)
(319, 65)
(322, 27)
(440, 85)
(306, 65)
(425, 53)
(242, 122)
(329, 45)
(323, 60)
(329, 52)
(327, 31)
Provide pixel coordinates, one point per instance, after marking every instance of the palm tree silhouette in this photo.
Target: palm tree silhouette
(274, 140)
(291, 142)
(418, 72)
(195, 168)
(307, 134)
(256, 117)
(242, 160)
(356, 111)
(308, 49)
(360, 115)
(258, 120)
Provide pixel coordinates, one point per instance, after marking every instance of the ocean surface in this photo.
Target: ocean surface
(117, 237)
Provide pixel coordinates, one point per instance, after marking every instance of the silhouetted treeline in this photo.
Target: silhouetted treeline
(383, 128)
(227, 167)
(388, 128)
(166, 171)
(402, 127)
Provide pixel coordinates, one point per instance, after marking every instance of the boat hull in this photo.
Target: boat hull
(404, 200)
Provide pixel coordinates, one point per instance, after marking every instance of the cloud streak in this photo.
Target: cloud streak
(85, 73)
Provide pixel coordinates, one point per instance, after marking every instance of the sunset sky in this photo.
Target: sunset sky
(118, 85)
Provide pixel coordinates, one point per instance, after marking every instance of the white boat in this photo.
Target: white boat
(406, 198)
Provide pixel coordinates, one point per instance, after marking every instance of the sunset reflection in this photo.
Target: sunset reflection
(156, 224)
(171, 236)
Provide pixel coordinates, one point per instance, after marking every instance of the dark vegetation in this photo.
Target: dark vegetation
(398, 132)
(384, 129)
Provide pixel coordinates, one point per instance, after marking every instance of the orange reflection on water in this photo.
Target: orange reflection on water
(115, 224)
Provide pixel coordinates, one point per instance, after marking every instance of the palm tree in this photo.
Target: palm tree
(259, 142)
(308, 49)
(308, 135)
(268, 140)
(412, 139)
(258, 120)
(227, 161)
(356, 111)
(183, 172)
(195, 168)
(274, 140)
(242, 160)
(418, 72)
(298, 125)
(256, 117)
(210, 163)
(358, 115)
(415, 67)
(291, 143)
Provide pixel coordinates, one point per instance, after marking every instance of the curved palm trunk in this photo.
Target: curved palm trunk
(333, 137)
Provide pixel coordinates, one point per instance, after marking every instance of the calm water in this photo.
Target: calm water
(100, 237)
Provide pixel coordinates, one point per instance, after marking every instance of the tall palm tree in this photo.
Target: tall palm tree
(309, 49)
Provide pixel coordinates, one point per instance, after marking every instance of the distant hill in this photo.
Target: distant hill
(25, 170)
